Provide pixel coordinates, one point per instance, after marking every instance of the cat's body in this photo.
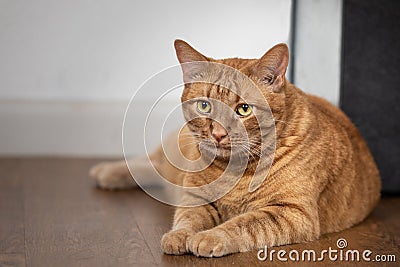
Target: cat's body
(323, 178)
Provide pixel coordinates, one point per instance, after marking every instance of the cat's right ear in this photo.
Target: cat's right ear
(271, 67)
(188, 56)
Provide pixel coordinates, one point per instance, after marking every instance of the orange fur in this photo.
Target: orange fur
(323, 178)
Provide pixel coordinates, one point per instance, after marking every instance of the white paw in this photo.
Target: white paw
(112, 175)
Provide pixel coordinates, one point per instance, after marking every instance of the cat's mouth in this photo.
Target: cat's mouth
(214, 145)
(222, 151)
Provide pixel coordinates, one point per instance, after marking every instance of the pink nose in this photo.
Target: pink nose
(218, 132)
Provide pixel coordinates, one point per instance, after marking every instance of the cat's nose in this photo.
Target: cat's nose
(218, 132)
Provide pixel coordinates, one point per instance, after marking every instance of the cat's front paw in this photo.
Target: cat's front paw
(174, 242)
(112, 175)
(210, 243)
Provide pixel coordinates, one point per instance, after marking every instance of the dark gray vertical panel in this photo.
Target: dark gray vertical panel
(370, 89)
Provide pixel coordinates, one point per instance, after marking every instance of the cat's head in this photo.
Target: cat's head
(231, 104)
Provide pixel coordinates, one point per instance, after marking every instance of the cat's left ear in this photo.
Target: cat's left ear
(271, 67)
(190, 59)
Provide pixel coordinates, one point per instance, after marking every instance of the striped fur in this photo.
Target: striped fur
(323, 178)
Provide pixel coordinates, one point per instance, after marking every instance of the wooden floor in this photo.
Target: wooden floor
(51, 214)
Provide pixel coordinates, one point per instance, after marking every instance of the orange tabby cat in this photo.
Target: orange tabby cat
(323, 178)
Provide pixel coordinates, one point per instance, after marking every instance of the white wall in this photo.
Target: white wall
(318, 47)
(68, 68)
(102, 50)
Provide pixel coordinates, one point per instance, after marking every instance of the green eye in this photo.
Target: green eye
(243, 110)
(203, 106)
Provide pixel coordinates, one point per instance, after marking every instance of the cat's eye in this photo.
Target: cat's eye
(203, 106)
(243, 110)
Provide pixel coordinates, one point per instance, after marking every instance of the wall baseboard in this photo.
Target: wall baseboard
(55, 128)
(81, 129)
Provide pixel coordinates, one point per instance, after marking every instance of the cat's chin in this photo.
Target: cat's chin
(210, 150)
(222, 153)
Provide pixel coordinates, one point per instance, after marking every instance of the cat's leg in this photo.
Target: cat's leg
(112, 175)
(187, 222)
(271, 226)
(116, 175)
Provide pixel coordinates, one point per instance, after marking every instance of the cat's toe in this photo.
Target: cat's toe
(174, 242)
(96, 169)
(209, 243)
